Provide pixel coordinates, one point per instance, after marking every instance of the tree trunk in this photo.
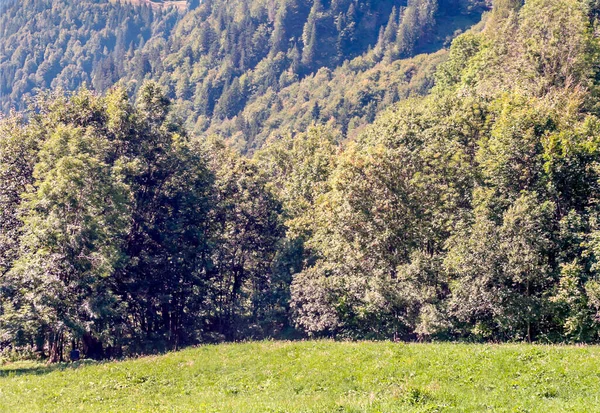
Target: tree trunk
(55, 347)
(92, 347)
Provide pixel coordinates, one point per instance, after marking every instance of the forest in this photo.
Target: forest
(349, 169)
(244, 70)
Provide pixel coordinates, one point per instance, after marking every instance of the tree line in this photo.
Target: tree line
(469, 214)
(121, 235)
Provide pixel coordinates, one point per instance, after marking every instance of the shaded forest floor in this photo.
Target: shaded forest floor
(317, 376)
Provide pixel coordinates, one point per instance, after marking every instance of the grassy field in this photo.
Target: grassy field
(317, 376)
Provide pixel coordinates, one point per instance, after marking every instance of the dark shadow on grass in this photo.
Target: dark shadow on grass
(39, 370)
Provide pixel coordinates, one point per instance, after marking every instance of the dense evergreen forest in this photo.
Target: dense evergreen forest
(243, 69)
(234, 181)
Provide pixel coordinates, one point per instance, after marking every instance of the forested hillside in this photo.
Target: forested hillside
(62, 44)
(234, 68)
(470, 213)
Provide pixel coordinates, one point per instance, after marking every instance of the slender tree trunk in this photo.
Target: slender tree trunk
(55, 351)
(528, 317)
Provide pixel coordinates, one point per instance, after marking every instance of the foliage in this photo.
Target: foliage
(68, 43)
(233, 68)
(128, 236)
(470, 213)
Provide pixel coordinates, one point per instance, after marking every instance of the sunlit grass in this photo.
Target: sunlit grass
(317, 376)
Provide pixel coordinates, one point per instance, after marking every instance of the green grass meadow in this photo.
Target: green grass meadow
(317, 376)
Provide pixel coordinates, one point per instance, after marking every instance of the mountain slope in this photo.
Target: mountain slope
(220, 59)
(472, 212)
(62, 44)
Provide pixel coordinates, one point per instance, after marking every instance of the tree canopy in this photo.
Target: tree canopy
(467, 211)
